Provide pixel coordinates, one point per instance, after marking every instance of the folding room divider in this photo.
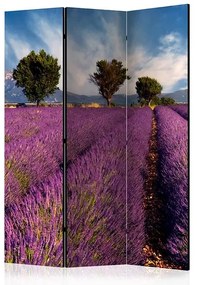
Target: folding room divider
(96, 137)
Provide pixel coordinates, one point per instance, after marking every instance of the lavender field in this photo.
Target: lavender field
(181, 110)
(173, 185)
(127, 200)
(33, 186)
(127, 186)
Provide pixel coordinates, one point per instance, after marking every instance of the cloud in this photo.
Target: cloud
(16, 46)
(51, 35)
(106, 43)
(168, 66)
(170, 42)
(47, 36)
(184, 87)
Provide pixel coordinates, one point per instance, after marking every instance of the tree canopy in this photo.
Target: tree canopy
(147, 88)
(109, 76)
(38, 75)
(167, 101)
(162, 101)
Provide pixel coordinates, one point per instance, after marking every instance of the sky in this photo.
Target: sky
(33, 30)
(156, 46)
(92, 35)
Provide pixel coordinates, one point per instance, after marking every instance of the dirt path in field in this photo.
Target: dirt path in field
(152, 258)
(152, 205)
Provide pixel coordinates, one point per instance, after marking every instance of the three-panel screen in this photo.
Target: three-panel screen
(96, 137)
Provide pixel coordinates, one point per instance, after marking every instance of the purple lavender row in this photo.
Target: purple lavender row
(83, 120)
(75, 115)
(97, 197)
(173, 185)
(83, 132)
(78, 117)
(30, 160)
(33, 226)
(181, 110)
(30, 122)
(139, 132)
(96, 203)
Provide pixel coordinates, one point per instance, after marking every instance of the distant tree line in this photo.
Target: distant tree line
(38, 75)
(109, 76)
(163, 101)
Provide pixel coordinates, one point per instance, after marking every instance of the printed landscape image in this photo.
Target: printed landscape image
(127, 138)
(126, 182)
(33, 138)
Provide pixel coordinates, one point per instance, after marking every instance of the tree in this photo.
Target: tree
(147, 88)
(109, 76)
(142, 102)
(162, 101)
(167, 101)
(156, 101)
(38, 75)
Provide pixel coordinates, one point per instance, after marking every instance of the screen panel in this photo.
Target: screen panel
(125, 168)
(96, 137)
(33, 137)
(157, 177)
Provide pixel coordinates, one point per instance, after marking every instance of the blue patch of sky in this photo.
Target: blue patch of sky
(84, 22)
(21, 25)
(146, 27)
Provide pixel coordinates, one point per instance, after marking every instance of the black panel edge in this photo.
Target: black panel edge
(64, 137)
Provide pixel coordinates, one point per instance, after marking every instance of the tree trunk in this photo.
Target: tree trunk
(37, 103)
(109, 102)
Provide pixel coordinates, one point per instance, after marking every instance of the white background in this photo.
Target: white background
(23, 274)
